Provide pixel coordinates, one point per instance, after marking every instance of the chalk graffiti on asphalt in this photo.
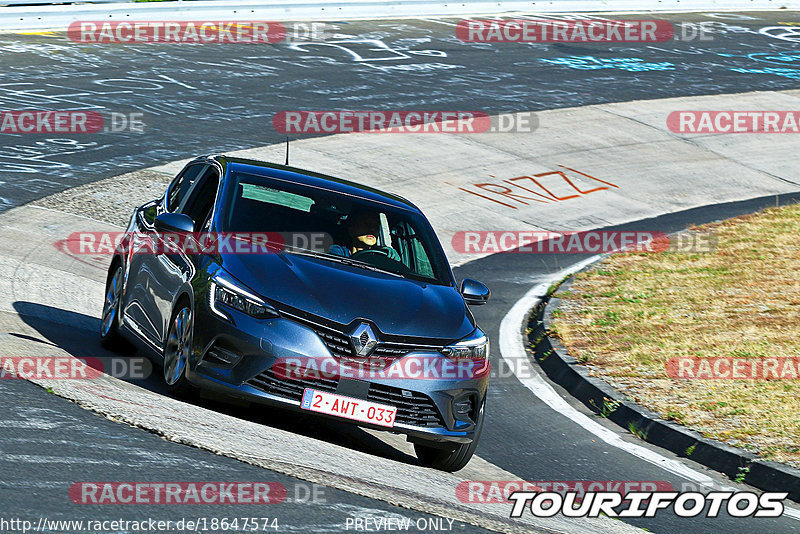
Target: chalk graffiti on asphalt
(783, 33)
(789, 63)
(548, 187)
(38, 156)
(630, 64)
(368, 51)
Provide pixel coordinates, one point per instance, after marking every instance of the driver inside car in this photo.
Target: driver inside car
(363, 229)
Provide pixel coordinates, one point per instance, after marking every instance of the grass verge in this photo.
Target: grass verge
(629, 315)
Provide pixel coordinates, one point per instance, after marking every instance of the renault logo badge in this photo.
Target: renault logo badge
(363, 340)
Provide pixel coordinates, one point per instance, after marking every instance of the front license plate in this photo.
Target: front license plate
(348, 407)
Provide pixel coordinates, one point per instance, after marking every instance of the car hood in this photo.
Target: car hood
(343, 293)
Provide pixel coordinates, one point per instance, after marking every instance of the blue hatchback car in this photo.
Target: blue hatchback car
(316, 294)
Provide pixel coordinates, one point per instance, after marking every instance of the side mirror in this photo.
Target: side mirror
(174, 222)
(474, 292)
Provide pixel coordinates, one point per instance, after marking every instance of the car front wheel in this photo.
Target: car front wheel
(452, 459)
(177, 350)
(110, 337)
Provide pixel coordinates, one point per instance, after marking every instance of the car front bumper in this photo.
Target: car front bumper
(237, 356)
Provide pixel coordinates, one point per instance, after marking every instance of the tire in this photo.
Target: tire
(110, 337)
(450, 460)
(177, 349)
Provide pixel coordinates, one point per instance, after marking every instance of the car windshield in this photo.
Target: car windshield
(336, 227)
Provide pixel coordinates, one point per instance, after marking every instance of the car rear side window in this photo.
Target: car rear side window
(200, 201)
(180, 187)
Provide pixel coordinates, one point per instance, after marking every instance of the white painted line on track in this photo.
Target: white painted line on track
(512, 351)
(439, 22)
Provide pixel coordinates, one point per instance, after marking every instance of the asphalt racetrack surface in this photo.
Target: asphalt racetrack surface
(199, 99)
(214, 98)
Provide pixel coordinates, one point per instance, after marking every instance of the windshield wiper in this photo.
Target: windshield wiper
(340, 259)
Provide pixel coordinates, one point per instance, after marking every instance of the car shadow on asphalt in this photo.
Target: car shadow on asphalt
(77, 334)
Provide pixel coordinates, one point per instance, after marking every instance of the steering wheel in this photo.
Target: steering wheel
(365, 254)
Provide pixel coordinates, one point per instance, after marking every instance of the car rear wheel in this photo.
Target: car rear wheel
(177, 350)
(452, 459)
(110, 337)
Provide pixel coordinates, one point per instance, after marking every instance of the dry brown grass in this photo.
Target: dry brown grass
(633, 312)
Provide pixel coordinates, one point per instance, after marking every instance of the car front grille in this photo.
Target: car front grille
(413, 408)
(290, 388)
(338, 344)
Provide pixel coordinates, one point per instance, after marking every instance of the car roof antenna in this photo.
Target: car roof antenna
(287, 151)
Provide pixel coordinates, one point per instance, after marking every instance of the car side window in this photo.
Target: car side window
(179, 189)
(199, 203)
(412, 250)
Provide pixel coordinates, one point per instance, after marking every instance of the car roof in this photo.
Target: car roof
(313, 179)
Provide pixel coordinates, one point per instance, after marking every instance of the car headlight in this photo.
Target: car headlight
(473, 347)
(225, 291)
